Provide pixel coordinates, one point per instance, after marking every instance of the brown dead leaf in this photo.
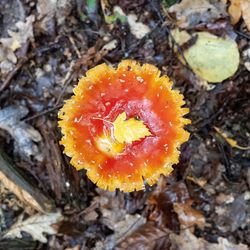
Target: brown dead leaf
(24, 33)
(127, 226)
(240, 8)
(147, 237)
(188, 216)
(198, 181)
(162, 201)
(188, 241)
(245, 7)
(115, 217)
(74, 228)
(191, 13)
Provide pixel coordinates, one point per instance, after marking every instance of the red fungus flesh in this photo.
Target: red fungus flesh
(129, 92)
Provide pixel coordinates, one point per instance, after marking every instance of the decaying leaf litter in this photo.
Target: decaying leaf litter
(45, 48)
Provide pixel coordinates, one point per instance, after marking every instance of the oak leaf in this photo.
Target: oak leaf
(35, 226)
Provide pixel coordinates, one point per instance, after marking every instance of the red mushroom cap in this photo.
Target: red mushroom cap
(124, 125)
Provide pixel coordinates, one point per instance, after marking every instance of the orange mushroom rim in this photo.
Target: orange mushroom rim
(132, 91)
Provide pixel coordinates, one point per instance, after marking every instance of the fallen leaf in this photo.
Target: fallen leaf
(238, 9)
(188, 241)
(7, 60)
(212, 58)
(188, 216)
(111, 207)
(198, 181)
(24, 134)
(190, 13)
(35, 226)
(115, 217)
(129, 130)
(138, 29)
(234, 11)
(230, 141)
(63, 9)
(111, 16)
(245, 7)
(48, 10)
(128, 225)
(110, 46)
(147, 237)
(24, 33)
(162, 201)
(122, 229)
(232, 215)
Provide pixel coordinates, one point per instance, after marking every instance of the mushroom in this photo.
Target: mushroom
(124, 126)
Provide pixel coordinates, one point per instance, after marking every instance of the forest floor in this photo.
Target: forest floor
(203, 204)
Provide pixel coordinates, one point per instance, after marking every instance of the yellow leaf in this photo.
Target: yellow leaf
(240, 8)
(129, 130)
(212, 58)
(230, 141)
(235, 11)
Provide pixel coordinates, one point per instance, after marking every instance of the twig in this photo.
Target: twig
(74, 46)
(66, 81)
(44, 112)
(243, 34)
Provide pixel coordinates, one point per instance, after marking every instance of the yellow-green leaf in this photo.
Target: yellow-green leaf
(229, 140)
(129, 130)
(212, 58)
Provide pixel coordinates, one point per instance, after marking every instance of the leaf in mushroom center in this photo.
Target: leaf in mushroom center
(129, 130)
